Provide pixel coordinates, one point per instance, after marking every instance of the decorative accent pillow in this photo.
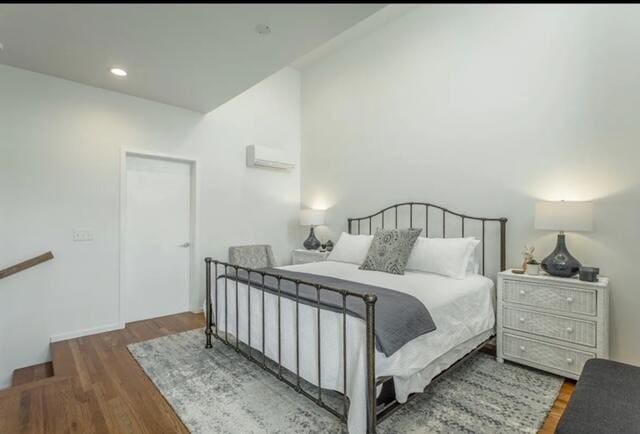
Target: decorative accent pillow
(351, 248)
(450, 257)
(390, 250)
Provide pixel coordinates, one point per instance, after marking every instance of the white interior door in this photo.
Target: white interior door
(157, 235)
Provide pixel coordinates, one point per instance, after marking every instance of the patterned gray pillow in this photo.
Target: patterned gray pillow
(390, 250)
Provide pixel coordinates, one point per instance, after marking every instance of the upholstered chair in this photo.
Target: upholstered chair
(254, 256)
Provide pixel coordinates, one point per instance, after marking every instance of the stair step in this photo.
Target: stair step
(62, 359)
(30, 374)
(52, 405)
(17, 390)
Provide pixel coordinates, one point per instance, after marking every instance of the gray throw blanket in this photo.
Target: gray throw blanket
(399, 317)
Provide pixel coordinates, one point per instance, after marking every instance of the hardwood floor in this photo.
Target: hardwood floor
(31, 374)
(558, 408)
(97, 387)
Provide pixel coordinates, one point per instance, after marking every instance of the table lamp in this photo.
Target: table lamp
(563, 216)
(311, 217)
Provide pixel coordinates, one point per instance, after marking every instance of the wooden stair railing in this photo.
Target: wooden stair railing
(26, 264)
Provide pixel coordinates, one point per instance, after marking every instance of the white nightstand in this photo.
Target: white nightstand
(552, 323)
(302, 256)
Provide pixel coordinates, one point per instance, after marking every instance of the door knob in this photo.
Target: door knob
(187, 244)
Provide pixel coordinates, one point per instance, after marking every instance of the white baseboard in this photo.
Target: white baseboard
(86, 332)
(199, 310)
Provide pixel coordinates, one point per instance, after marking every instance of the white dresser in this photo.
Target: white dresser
(552, 323)
(302, 256)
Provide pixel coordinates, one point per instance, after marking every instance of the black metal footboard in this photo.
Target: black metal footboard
(247, 351)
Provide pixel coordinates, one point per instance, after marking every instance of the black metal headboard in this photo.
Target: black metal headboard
(355, 223)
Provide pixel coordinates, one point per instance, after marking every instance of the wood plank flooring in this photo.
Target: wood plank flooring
(558, 408)
(32, 374)
(98, 387)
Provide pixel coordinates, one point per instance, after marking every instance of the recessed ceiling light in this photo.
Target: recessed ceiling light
(119, 72)
(263, 29)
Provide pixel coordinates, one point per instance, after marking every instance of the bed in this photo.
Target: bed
(329, 347)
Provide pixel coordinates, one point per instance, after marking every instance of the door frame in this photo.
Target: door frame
(194, 280)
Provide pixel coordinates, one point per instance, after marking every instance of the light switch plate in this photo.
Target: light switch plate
(82, 235)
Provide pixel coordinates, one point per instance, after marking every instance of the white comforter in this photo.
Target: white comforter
(461, 309)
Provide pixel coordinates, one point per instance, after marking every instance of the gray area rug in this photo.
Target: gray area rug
(219, 391)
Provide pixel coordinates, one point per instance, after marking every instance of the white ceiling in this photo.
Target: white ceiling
(364, 27)
(191, 56)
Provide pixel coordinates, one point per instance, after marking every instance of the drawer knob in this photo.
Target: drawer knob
(522, 348)
(569, 300)
(521, 319)
(569, 360)
(569, 330)
(522, 292)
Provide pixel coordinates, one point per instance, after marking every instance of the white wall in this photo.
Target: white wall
(60, 155)
(485, 109)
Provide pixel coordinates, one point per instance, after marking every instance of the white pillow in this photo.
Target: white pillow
(351, 248)
(446, 256)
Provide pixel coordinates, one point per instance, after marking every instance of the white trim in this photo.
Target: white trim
(85, 332)
(193, 230)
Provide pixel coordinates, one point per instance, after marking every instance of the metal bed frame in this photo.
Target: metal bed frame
(376, 411)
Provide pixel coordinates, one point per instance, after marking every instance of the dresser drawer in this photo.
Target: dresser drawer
(304, 260)
(560, 298)
(553, 326)
(300, 256)
(542, 353)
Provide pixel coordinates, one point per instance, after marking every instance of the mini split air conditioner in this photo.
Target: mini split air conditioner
(261, 156)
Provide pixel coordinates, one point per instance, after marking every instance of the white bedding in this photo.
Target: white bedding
(462, 310)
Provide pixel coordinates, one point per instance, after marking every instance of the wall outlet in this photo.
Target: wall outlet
(82, 235)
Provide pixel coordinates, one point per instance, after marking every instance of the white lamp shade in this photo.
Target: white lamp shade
(311, 217)
(564, 216)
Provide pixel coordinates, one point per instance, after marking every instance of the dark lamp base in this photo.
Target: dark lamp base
(560, 263)
(311, 243)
